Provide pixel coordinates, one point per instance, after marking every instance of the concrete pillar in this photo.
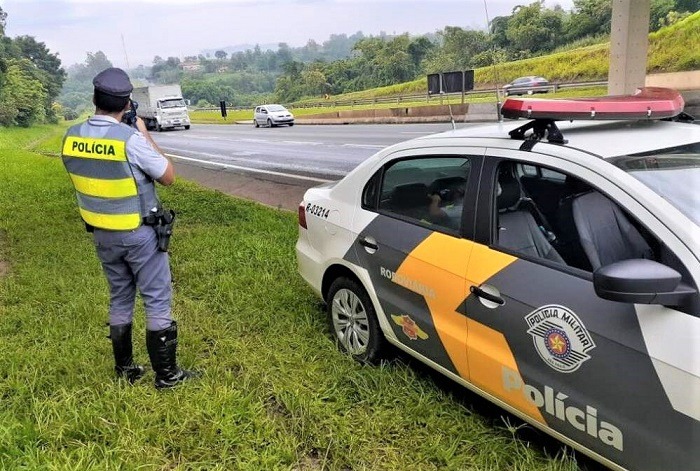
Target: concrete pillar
(629, 42)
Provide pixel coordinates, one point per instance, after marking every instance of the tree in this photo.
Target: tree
(77, 89)
(589, 18)
(458, 48)
(419, 49)
(53, 74)
(3, 21)
(221, 55)
(659, 10)
(534, 28)
(22, 98)
(166, 71)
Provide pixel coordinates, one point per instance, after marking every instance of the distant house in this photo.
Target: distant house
(191, 65)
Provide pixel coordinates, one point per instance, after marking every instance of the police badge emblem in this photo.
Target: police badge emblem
(560, 337)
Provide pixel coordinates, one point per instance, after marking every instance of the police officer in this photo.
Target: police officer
(113, 167)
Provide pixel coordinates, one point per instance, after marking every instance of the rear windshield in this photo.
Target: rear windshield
(672, 173)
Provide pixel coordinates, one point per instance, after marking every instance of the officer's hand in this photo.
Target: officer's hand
(141, 126)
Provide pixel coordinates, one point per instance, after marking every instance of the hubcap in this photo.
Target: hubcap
(350, 321)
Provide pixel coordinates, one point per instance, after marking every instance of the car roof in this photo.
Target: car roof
(603, 138)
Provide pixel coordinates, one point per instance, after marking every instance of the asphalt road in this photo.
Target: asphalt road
(316, 152)
(276, 166)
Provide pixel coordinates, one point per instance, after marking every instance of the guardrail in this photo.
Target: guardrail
(398, 99)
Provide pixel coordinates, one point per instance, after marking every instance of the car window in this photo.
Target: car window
(546, 214)
(428, 190)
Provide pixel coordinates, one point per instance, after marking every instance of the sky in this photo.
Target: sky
(134, 32)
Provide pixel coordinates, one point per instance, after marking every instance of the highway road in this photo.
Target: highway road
(313, 153)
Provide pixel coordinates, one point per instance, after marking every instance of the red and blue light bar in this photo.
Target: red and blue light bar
(647, 103)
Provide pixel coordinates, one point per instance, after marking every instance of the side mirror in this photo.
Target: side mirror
(641, 281)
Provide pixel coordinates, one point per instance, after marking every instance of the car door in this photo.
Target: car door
(542, 341)
(416, 259)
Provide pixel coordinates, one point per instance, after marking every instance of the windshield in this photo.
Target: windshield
(276, 108)
(174, 103)
(672, 173)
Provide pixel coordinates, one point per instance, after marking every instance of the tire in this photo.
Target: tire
(353, 323)
(291, 124)
(530, 92)
(269, 123)
(187, 127)
(159, 128)
(255, 123)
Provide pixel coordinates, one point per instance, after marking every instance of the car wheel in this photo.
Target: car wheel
(291, 124)
(269, 123)
(353, 321)
(530, 92)
(159, 128)
(187, 127)
(255, 123)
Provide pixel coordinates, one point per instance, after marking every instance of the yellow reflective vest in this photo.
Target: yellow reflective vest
(109, 197)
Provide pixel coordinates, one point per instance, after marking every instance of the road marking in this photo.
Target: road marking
(365, 146)
(303, 143)
(253, 170)
(417, 132)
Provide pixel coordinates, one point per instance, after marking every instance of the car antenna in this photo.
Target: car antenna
(443, 86)
(493, 63)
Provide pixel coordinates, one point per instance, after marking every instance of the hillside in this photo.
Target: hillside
(670, 50)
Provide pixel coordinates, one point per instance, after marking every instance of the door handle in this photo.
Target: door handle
(487, 296)
(368, 242)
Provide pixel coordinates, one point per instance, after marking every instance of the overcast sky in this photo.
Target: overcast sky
(186, 27)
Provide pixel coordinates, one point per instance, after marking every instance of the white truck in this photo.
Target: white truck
(161, 106)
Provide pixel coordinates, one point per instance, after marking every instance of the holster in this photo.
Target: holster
(162, 222)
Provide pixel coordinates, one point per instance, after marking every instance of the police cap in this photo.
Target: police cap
(113, 81)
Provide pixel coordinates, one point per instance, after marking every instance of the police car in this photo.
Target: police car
(550, 265)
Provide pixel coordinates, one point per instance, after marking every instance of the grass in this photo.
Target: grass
(276, 393)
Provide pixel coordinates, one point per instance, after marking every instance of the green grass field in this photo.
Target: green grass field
(276, 393)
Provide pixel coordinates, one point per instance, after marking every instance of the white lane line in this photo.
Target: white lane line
(303, 143)
(248, 169)
(417, 132)
(365, 146)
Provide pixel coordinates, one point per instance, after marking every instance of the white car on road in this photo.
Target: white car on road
(272, 115)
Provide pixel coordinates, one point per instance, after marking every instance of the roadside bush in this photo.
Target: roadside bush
(70, 115)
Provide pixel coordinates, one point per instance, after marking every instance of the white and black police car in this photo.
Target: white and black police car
(552, 267)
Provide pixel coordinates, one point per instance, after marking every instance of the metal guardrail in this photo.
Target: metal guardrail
(398, 99)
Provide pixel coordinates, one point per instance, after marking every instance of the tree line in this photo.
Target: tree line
(31, 78)
(530, 30)
(289, 74)
(35, 88)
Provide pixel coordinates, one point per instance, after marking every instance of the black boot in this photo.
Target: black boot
(162, 346)
(123, 356)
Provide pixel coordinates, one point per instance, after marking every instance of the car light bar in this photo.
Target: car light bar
(647, 103)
